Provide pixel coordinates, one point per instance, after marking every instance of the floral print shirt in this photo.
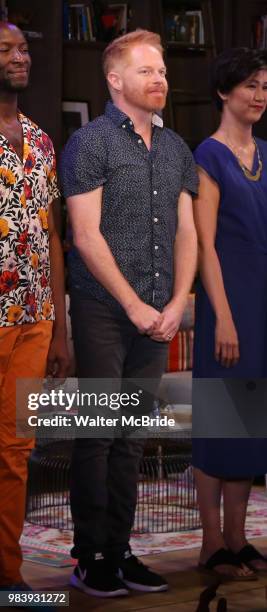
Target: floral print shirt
(26, 189)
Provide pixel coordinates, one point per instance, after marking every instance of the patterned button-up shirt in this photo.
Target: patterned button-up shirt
(140, 196)
(26, 189)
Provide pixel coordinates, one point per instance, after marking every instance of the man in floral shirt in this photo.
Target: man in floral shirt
(30, 293)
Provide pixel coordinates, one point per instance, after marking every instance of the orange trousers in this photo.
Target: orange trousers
(23, 354)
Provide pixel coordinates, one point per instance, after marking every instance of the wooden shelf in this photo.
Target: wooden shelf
(180, 46)
(90, 44)
(179, 5)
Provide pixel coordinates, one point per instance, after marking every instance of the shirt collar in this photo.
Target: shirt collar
(121, 119)
(157, 120)
(6, 143)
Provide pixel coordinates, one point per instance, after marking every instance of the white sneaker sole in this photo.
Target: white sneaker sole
(144, 587)
(78, 584)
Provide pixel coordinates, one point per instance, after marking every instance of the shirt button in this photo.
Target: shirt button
(139, 140)
(156, 247)
(124, 126)
(155, 192)
(156, 274)
(130, 123)
(155, 219)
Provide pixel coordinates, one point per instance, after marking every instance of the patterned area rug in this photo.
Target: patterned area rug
(52, 546)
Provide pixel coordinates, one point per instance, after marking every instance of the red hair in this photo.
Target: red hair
(119, 47)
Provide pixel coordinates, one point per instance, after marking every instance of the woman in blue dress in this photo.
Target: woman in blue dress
(231, 305)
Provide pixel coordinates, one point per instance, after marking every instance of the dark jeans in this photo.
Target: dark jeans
(105, 470)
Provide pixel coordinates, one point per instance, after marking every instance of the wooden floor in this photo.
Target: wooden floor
(186, 585)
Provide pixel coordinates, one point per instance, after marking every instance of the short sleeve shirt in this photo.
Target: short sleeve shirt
(26, 189)
(141, 188)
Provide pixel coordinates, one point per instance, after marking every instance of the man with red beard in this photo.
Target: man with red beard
(32, 312)
(128, 182)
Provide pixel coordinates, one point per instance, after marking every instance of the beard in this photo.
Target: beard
(145, 100)
(8, 85)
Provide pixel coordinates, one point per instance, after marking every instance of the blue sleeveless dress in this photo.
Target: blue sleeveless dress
(241, 245)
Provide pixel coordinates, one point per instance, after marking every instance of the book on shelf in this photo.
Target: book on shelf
(259, 33)
(185, 27)
(78, 21)
(90, 21)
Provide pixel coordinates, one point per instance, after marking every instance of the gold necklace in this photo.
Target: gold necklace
(247, 173)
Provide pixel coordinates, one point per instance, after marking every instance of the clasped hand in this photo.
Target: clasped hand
(168, 323)
(160, 326)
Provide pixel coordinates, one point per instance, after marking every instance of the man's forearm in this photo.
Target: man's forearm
(99, 260)
(185, 257)
(185, 263)
(57, 282)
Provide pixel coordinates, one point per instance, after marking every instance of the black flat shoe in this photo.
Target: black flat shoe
(224, 557)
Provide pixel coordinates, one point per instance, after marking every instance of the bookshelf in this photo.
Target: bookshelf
(243, 33)
(68, 67)
(88, 83)
(67, 41)
(186, 27)
(92, 21)
(187, 65)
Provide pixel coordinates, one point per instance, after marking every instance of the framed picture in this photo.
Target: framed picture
(75, 115)
(185, 27)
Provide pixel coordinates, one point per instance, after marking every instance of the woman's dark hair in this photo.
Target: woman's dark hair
(234, 66)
